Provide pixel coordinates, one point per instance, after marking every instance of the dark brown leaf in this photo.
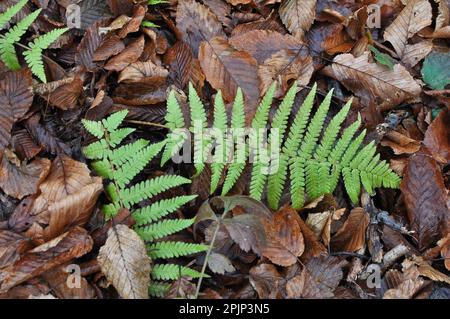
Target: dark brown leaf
(11, 246)
(352, 235)
(437, 137)
(267, 281)
(130, 55)
(109, 47)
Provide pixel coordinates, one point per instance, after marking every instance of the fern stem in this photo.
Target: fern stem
(26, 47)
(146, 123)
(208, 253)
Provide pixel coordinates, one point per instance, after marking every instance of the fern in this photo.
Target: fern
(311, 158)
(121, 165)
(33, 54)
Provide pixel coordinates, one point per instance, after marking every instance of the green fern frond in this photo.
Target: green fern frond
(220, 153)
(126, 152)
(174, 249)
(94, 128)
(163, 228)
(198, 121)
(34, 55)
(8, 55)
(158, 289)
(6, 16)
(173, 272)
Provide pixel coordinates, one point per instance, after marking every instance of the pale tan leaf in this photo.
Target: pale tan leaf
(298, 15)
(371, 81)
(352, 235)
(124, 261)
(415, 16)
(443, 17)
(405, 290)
(414, 53)
(138, 70)
(317, 222)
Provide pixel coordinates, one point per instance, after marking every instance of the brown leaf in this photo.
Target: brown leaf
(11, 246)
(91, 41)
(197, 23)
(426, 270)
(267, 281)
(183, 67)
(414, 53)
(66, 198)
(298, 15)
(227, 69)
(284, 238)
(138, 70)
(135, 23)
(130, 55)
(437, 138)
(109, 47)
(24, 145)
(318, 279)
(283, 67)
(352, 235)
(415, 16)
(16, 97)
(400, 144)
(72, 244)
(373, 81)
(247, 231)
(92, 11)
(425, 199)
(66, 96)
(405, 290)
(20, 179)
(313, 247)
(125, 263)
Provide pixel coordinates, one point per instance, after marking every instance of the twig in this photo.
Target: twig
(146, 123)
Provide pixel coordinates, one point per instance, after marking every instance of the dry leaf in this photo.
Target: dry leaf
(109, 47)
(298, 15)
(425, 199)
(134, 23)
(139, 70)
(130, 55)
(405, 290)
(266, 280)
(11, 246)
(414, 53)
(284, 238)
(371, 81)
(437, 138)
(20, 179)
(66, 96)
(72, 244)
(415, 16)
(228, 69)
(16, 97)
(400, 143)
(352, 235)
(124, 261)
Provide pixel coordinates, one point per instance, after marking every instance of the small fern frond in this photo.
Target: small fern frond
(174, 249)
(149, 188)
(95, 128)
(160, 209)
(34, 55)
(15, 33)
(8, 55)
(163, 228)
(199, 123)
(97, 150)
(220, 153)
(6, 16)
(126, 152)
(158, 289)
(112, 122)
(173, 272)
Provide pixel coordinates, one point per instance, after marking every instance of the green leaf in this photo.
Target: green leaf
(436, 70)
(383, 58)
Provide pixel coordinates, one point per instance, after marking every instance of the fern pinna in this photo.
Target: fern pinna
(33, 53)
(311, 158)
(120, 165)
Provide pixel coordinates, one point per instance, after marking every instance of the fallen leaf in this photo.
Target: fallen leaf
(415, 16)
(352, 235)
(425, 199)
(24, 145)
(414, 53)
(72, 244)
(16, 97)
(19, 179)
(298, 15)
(130, 55)
(197, 24)
(372, 81)
(109, 47)
(284, 238)
(139, 70)
(92, 11)
(91, 40)
(11, 246)
(405, 290)
(266, 280)
(436, 70)
(220, 264)
(66, 96)
(134, 23)
(124, 261)
(228, 69)
(247, 231)
(399, 143)
(437, 138)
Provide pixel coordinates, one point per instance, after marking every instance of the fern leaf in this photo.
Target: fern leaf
(126, 152)
(199, 123)
(163, 228)
(34, 55)
(220, 154)
(97, 150)
(160, 209)
(125, 173)
(94, 127)
(297, 169)
(112, 122)
(116, 137)
(150, 188)
(8, 55)
(158, 289)
(173, 272)
(6, 16)
(174, 249)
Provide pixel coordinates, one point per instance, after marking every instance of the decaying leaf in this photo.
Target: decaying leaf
(371, 81)
(124, 261)
(72, 244)
(400, 144)
(139, 70)
(220, 264)
(267, 281)
(437, 139)
(11, 246)
(352, 235)
(18, 179)
(284, 238)
(298, 15)
(16, 97)
(425, 199)
(130, 55)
